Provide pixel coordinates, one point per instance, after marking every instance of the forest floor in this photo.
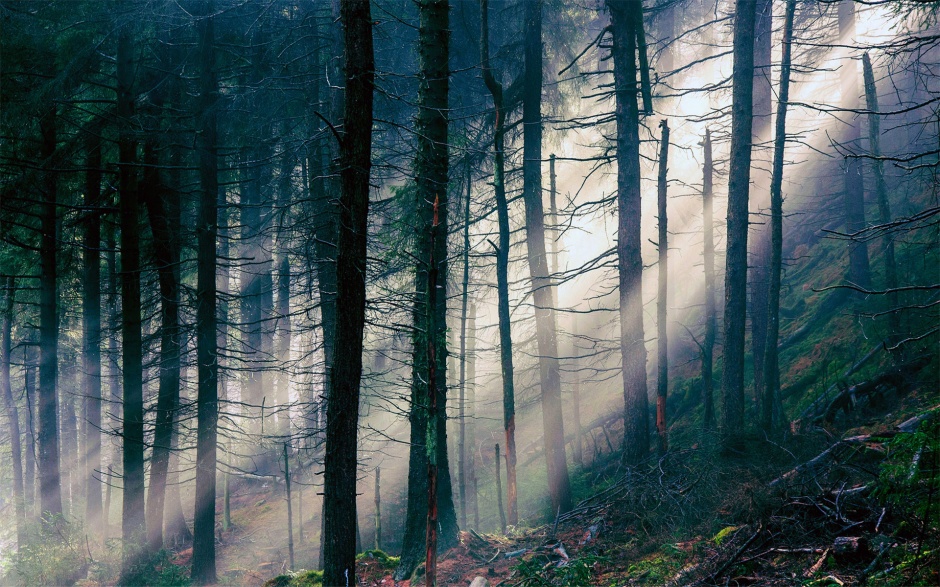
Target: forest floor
(843, 504)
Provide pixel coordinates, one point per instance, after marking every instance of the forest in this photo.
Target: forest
(300, 293)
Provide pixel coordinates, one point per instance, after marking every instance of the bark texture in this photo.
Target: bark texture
(13, 417)
(559, 485)
(711, 321)
(772, 399)
(429, 381)
(91, 331)
(662, 346)
(627, 28)
(881, 191)
(133, 524)
(732, 383)
(207, 399)
(502, 265)
(50, 490)
(342, 419)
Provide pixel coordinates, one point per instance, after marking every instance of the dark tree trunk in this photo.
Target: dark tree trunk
(553, 231)
(67, 436)
(881, 191)
(207, 400)
(708, 344)
(378, 508)
(282, 325)
(50, 489)
(282, 352)
(464, 295)
(177, 530)
(325, 190)
(760, 249)
(91, 332)
(342, 417)
(29, 390)
(132, 518)
(471, 429)
(771, 399)
(732, 383)
(251, 294)
(627, 29)
(576, 394)
(502, 265)
(163, 210)
(430, 312)
(662, 380)
(114, 363)
(499, 492)
(13, 417)
(859, 271)
(559, 486)
(434, 411)
(290, 514)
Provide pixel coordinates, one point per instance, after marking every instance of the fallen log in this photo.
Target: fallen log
(850, 548)
(907, 427)
(811, 409)
(895, 378)
(819, 459)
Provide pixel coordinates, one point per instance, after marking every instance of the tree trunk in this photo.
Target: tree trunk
(859, 271)
(471, 429)
(559, 486)
(252, 393)
(282, 323)
(881, 191)
(627, 29)
(732, 383)
(50, 489)
(553, 214)
(177, 532)
(378, 508)
(163, 210)
(91, 332)
(760, 250)
(771, 360)
(462, 422)
(324, 190)
(499, 493)
(67, 437)
(342, 417)
(430, 310)
(29, 390)
(13, 417)
(708, 344)
(502, 266)
(290, 515)
(115, 391)
(207, 400)
(132, 518)
(431, 448)
(576, 394)
(662, 380)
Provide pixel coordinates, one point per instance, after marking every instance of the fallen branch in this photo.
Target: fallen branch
(737, 554)
(817, 565)
(907, 427)
(819, 459)
(895, 378)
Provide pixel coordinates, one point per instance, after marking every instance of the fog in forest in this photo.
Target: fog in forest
(496, 292)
